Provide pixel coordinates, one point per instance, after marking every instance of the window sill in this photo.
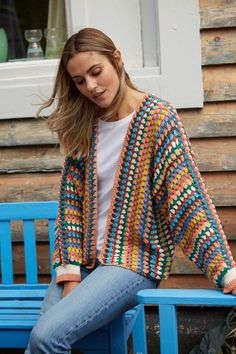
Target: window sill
(27, 83)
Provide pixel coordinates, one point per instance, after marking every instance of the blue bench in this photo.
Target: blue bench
(20, 303)
(167, 301)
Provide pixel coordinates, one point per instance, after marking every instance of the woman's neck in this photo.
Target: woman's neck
(131, 102)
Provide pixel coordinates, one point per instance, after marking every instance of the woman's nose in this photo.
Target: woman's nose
(91, 84)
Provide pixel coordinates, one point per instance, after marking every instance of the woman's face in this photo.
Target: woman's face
(95, 77)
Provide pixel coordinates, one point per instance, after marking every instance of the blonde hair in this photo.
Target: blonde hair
(74, 114)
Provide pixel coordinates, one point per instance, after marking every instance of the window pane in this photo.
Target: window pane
(150, 32)
(17, 16)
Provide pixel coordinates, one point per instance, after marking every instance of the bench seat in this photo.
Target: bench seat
(19, 310)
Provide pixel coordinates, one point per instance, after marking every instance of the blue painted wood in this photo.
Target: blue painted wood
(130, 319)
(23, 286)
(6, 253)
(10, 338)
(168, 329)
(96, 344)
(18, 311)
(186, 297)
(30, 252)
(138, 332)
(169, 299)
(21, 293)
(20, 326)
(118, 336)
(29, 210)
(20, 303)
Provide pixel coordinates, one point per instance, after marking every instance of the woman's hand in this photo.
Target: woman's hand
(69, 286)
(230, 287)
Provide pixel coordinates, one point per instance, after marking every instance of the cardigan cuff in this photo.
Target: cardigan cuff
(69, 272)
(228, 277)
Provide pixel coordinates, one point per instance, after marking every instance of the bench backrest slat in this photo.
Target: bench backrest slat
(6, 253)
(30, 252)
(20, 312)
(28, 212)
(21, 294)
(18, 304)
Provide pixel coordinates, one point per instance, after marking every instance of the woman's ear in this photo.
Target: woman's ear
(118, 59)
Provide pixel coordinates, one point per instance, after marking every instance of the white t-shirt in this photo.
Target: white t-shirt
(111, 136)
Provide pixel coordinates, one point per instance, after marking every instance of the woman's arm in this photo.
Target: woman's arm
(193, 221)
(69, 230)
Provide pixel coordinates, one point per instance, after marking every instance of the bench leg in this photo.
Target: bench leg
(168, 329)
(139, 332)
(117, 335)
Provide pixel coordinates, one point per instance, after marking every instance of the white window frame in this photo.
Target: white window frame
(178, 78)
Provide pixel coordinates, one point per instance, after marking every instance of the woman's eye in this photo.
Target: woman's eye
(96, 72)
(79, 82)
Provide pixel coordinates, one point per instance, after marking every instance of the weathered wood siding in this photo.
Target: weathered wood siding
(30, 160)
(212, 129)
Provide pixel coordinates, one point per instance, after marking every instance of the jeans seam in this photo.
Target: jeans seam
(111, 300)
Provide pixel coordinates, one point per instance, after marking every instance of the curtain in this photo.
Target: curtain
(10, 22)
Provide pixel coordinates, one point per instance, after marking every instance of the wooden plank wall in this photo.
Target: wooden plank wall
(30, 161)
(212, 129)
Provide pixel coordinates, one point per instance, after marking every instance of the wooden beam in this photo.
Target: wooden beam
(215, 119)
(219, 83)
(42, 278)
(221, 187)
(217, 13)
(26, 131)
(212, 155)
(182, 264)
(175, 281)
(41, 230)
(29, 187)
(216, 154)
(42, 258)
(218, 46)
(228, 219)
(35, 159)
(45, 186)
(226, 214)
(187, 281)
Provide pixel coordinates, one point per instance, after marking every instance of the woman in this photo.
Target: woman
(130, 191)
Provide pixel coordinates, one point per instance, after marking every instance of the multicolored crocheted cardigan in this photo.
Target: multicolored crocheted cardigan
(159, 200)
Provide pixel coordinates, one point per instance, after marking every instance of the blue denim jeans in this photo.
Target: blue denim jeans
(103, 294)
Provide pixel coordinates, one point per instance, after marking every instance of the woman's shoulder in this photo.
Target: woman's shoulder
(74, 161)
(161, 110)
(160, 104)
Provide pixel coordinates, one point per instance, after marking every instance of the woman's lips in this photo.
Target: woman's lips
(98, 95)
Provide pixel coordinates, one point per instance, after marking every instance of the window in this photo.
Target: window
(159, 40)
(26, 24)
(18, 16)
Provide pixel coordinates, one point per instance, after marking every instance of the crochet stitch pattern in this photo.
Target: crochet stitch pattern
(159, 200)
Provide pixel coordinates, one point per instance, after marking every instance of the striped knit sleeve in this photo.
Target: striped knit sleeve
(68, 243)
(193, 222)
